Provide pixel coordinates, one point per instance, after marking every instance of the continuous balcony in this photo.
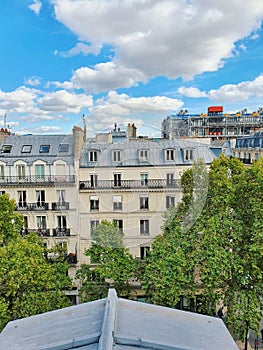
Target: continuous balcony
(41, 206)
(37, 180)
(129, 184)
(61, 232)
(45, 232)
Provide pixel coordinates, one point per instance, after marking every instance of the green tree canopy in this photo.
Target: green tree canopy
(29, 282)
(213, 247)
(111, 264)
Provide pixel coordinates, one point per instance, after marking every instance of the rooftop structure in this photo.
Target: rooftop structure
(215, 124)
(115, 323)
(249, 148)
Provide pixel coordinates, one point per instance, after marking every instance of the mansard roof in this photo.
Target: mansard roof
(48, 148)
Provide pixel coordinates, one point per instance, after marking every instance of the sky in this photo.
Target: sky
(126, 61)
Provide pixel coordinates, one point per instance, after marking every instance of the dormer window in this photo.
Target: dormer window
(93, 156)
(6, 149)
(188, 154)
(143, 155)
(169, 154)
(116, 156)
(63, 147)
(44, 149)
(26, 148)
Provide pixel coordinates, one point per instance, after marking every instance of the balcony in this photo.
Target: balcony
(39, 206)
(61, 232)
(60, 206)
(41, 232)
(129, 184)
(37, 180)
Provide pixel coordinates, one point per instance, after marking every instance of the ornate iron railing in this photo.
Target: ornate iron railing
(61, 232)
(129, 184)
(39, 206)
(29, 180)
(41, 232)
(60, 206)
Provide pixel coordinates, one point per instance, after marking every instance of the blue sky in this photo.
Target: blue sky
(121, 61)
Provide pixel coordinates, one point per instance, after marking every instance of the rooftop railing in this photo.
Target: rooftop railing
(129, 184)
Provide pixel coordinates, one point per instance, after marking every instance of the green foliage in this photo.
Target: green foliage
(113, 267)
(29, 283)
(212, 243)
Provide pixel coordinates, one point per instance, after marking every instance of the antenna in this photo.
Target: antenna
(84, 128)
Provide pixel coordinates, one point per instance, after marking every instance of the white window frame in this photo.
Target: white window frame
(169, 154)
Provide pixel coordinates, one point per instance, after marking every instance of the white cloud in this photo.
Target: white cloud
(105, 76)
(33, 81)
(41, 130)
(80, 48)
(36, 6)
(191, 92)
(21, 100)
(162, 37)
(241, 91)
(64, 102)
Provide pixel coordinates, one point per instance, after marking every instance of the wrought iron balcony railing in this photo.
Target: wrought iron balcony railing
(41, 232)
(129, 184)
(33, 179)
(60, 206)
(38, 206)
(61, 232)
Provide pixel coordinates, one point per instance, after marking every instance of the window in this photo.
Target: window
(93, 156)
(21, 171)
(144, 228)
(41, 222)
(93, 180)
(25, 222)
(170, 201)
(40, 171)
(117, 179)
(143, 155)
(40, 196)
(116, 156)
(26, 149)
(93, 225)
(44, 149)
(21, 198)
(117, 203)
(2, 172)
(2, 192)
(144, 179)
(169, 154)
(144, 203)
(119, 224)
(61, 222)
(144, 252)
(61, 196)
(63, 147)
(169, 179)
(94, 203)
(6, 149)
(188, 154)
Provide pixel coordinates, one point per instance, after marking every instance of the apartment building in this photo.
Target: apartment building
(133, 183)
(249, 148)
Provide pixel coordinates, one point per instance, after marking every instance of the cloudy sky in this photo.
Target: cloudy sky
(120, 61)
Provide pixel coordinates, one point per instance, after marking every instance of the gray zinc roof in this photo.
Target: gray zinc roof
(18, 141)
(156, 152)
(115, 323)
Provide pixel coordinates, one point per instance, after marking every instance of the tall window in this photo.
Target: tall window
(21, 198)
(144, 252)
(21, 171)
(144, 179)
(93, 225)
(61, 222)
(93, 180)
(169, 179)
(188, 154)
(41, 222)
(144, 228)
(94, 203)
(116, 156)
(144, 203)
(61, 197)
(169, 154)
(117, 179)
(2, 172)
(93, 156)
(117, 202)
(40, 196)
(119, 224)
(40, 171)
(170, 201)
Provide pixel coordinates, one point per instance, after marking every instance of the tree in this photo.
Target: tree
(29, 282)
(111, 264)
(217, 253)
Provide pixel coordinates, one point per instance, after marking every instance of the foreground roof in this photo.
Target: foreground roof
(115, 323)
